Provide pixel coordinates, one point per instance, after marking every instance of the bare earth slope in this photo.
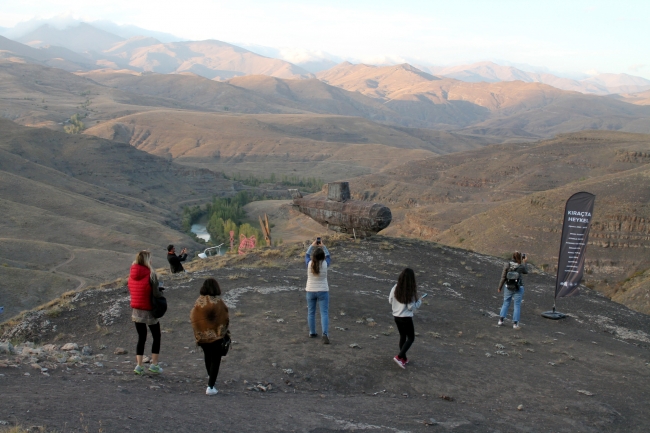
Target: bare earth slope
(586, 373)
(76, 209)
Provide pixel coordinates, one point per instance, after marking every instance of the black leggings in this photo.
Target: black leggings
(142, 337)
(212, 358)
(406, 334)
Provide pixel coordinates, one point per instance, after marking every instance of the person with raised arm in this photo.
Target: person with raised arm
(175, 264)
(513, 283)
(318, 259)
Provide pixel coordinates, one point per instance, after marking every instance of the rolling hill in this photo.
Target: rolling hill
(310, 145)
(77, 208)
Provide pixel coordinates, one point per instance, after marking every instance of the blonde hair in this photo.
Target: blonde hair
(143, 258)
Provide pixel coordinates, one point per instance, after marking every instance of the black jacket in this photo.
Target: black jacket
(521, 268)
(175, 262)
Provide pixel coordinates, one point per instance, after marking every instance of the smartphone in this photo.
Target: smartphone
(523, 255)
(318, 241)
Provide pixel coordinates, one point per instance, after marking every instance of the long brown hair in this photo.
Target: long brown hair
(317, 257)
(516, 257)
(210, 287)
(406, 290)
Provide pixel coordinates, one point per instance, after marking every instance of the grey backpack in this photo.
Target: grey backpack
(513, 277)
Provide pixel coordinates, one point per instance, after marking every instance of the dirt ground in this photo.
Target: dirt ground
(587, 373)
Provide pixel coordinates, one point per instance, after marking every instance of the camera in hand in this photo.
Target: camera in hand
(523, 255)
(318, 241)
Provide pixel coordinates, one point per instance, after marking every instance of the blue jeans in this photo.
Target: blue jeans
(323, 299)
(509, 295)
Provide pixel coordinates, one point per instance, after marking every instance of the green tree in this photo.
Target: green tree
(75, 126)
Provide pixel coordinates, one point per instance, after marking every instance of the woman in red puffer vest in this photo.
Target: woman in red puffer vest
(143, 281)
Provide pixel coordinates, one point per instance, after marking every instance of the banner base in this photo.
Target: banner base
(553, 315)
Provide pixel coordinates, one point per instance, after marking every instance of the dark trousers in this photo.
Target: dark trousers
(212, 358)
(406, 334)
(142, 337)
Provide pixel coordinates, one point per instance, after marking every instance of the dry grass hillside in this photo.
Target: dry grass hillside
(34, 95)
(190, 89)
(77, 208)
(618, 243)
(318, 97)
(639, 98)
(250, 94)
(330, 147)
(511, 108)
(505, 197)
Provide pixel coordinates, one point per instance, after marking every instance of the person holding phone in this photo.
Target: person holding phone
(404, 299)
(513, 283)
(318, 259)
(174, 260)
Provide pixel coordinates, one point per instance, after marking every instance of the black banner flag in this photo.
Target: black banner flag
(575, 233)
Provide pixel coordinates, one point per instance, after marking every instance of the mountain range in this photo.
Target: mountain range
(162, 52)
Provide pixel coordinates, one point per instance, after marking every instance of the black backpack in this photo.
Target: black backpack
(513, 277)
(159, 306)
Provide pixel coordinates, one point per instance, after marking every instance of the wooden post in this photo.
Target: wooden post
(266, 229)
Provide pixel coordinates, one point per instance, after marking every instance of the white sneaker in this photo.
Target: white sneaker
(500, 323)
(211, 391)
(516, 326)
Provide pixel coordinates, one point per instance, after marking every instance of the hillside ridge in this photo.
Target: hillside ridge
(274, 373)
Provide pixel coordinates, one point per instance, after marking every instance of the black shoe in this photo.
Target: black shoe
(326, 339)
(313, 335)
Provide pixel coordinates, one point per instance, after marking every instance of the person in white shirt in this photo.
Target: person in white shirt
(317, 259)
(404, 299)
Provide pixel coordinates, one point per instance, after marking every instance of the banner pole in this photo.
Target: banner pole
(555, 315)
(578, 213)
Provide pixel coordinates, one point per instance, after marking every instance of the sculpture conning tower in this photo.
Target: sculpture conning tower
(337, 211)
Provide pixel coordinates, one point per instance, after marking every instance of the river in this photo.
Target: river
(200, 231)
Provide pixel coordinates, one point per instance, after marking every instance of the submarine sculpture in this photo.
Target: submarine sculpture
(338, 212)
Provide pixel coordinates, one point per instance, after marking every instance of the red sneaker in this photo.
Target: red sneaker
(399, 362)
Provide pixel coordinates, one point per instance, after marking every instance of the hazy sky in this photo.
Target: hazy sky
(567, 35)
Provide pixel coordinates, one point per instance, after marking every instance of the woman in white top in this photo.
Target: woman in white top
(404, 299)
(317, 259)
